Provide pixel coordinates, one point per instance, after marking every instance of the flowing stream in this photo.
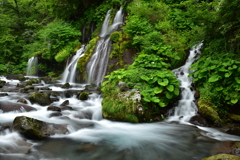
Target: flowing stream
(32, 67)
(90, 137)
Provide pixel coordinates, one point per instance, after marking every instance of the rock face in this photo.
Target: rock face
(8, 107)
(222, 157)
(83, 96)
(36, 129)
(40, 98)
(207, 110)
(124, 106)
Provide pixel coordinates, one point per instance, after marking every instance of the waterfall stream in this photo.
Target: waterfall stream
(69, 73)
(32, 66)
(97, 65)
(186, 107)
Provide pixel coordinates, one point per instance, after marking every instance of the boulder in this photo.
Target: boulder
(207, 110)
(54, 108)
(35, 129)
(222, 157)
(3, 94)
(83, 96)
(8, 107)
(66, 85)
(124, 106)
(198, 120)
(22, 101)
(40, 98)
(2, 83)
(65, 103)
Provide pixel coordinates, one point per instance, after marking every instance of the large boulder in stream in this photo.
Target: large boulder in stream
(124, 106)
(8, 107)
(222, 157)
(207, 110)
(40, 98)
(35, 129)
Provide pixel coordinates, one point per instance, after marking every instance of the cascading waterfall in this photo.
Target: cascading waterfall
(97, 64)
(69, 73)
(186, 107)
(32, 67)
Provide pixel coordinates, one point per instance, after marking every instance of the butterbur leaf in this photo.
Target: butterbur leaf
(170, 88)
(163, 82)
(228, 74)
(237, 79)
(158, 90)
(155, 99)
(169, 95)
(214, 78)
(234, 101)
(161, 104)
(176, 91)
(144, 77)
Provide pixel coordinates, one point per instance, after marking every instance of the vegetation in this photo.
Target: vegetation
(160, 31)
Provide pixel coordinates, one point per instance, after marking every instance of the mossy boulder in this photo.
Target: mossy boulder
(40, 98)
(35, 129)
(66, 85)
(83, 96)
(123, 106)
(207, 110)
(222, 157)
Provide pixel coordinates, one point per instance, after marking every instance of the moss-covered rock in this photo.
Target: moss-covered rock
(36, 129)
(123, 106)
(40, 98)
(83, 96)
(207, 110)
(222, 157)
(66, 85)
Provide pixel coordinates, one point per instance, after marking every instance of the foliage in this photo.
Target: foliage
(158, 87)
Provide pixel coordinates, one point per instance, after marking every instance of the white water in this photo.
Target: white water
(69, 73)
(186, 107)
(32, 67)
(97, 64)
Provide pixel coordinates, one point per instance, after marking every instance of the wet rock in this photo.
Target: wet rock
(68, 94)
(45, 88)
(40, 98)
(66, 85)
(35, 129)
(123, 86)
(207, 110)
(83, 96)
(15, 77)
(234, 131)
(17, 146)
(54, 108)
(198, 120)
(197, 95)
(126, 106)
(47, 80)
(28, 87)
(57, 114)
(63, 108)
(65, 103)
(3, 94)
(22, 84)
(234, 118)
(222, 157)
(8, 107)
(54, 99)
(2, 83)
(22, 101)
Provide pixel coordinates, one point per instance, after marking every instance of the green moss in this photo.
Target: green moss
(83, 96)
(87, 55)
(222, 157)
(207, 109)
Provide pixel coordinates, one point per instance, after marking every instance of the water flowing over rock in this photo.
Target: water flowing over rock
(69, 74)
(32, 67)
(186, 107)
(36, 129)
(97, 65)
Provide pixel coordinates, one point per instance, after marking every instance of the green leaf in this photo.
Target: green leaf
(158, 90)
(237, 80)
(163, 82)
(155, 99)
(170, 88)
(146, 78)
(219, 88)
(228, 74)
(161, 104)
(214, 78)
(169, 95)
(234, 101)
(176, 91)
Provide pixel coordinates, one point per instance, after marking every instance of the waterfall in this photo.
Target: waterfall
(186, 107)
(69, 73)
(97, 64)
(32, 67)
